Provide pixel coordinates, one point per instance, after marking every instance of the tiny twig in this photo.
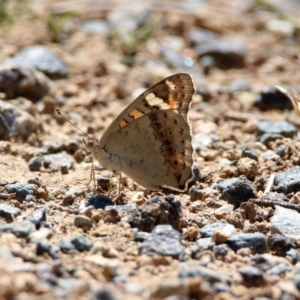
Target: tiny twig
(270, 183)
(271, 203)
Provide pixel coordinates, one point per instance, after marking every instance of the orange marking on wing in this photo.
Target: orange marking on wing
(173, 104)
(177, 159)
(136, 114)
(123, 123)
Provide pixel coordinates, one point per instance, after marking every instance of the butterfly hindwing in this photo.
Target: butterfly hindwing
(151, 138)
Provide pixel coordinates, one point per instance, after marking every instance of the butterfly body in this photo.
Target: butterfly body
(150, 141)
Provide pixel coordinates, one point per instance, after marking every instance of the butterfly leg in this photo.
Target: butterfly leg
(93, 177)
(119, 187)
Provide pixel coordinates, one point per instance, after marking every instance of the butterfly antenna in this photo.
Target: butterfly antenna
(59, 113)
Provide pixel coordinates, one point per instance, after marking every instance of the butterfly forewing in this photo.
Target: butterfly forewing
(152, 137)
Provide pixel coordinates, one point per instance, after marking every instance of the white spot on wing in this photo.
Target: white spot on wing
(156, 101)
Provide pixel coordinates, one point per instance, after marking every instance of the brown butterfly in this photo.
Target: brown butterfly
(150, 140)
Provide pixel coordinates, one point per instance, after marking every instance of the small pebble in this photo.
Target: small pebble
(66, 246)
(9, 212)
(21, 190)
(250, 273)
(236, 190)
(247, 152)
(43, 59)
(35, 163)
(99, 201)
(82, 221)
(64, 169)
(255, 241)
(286, 222)
(38, 216)
(45, 246)
(207, 230)
(81, 243)
(164, 240)
(23, 229)
(288, 182)
(284, 128)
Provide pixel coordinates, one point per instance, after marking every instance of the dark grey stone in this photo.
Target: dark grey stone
(281, 149)
(38, 216)
(255, 241)
(280, 244)
(236, 190)
(55, 148)
(196, 173)
(9, 212)
(21, 189)
(100, 201)
(44, 246)
(263, 262)
(270, 137)
(35, 163)
(288, 181)
(81, 243)
(251, 273)
(157, 210)
(163, 240)
(247, 152)
(66, 246)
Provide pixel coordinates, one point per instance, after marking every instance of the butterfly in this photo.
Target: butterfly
(150, 141)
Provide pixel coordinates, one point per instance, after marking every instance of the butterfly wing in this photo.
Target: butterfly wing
(152, 136)
(293, 96)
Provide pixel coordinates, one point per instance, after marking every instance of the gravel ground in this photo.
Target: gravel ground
(233, 234)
